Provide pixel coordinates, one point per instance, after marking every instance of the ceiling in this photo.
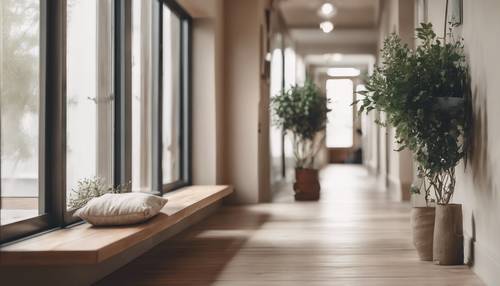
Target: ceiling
(351, 14)
(322, 63)
(355, 23)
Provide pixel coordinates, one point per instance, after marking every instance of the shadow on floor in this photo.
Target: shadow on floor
(194, 257)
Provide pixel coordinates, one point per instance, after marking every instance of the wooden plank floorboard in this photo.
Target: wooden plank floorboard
(353, 236)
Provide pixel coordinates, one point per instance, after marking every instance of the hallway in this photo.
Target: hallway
(353, 236)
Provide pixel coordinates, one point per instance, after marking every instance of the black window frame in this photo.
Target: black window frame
(50, 85)
(53, 112)
(185, 174)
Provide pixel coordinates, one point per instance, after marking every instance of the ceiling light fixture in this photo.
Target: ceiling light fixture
(327, 9)
(326, 26)
(343, 72)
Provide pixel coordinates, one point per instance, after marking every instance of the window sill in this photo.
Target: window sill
(84, 244)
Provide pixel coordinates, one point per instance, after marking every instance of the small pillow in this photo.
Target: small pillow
(121, 209)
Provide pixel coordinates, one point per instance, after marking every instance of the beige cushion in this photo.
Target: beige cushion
(121, 209)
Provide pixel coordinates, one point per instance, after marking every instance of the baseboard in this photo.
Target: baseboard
(482, 261)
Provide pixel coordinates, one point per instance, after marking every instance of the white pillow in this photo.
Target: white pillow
(121, 209)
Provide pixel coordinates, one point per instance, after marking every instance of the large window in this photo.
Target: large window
(102, 93)
(142, 95)
(21, 111)
(174, 113)
(160, 105)
(172, 58)
(89, 97)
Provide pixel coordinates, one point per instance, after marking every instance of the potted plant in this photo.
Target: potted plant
(422, 92)
(302, 111)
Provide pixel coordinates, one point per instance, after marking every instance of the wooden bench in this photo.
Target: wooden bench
(84, 244)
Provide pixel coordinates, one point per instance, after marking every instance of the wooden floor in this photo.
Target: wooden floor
(353, 236)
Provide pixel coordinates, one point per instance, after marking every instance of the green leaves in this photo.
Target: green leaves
(408, 87)
(301, 110)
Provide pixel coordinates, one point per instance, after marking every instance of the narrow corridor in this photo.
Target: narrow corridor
(353, 236)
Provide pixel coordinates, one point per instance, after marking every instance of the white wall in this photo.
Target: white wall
(478, 185)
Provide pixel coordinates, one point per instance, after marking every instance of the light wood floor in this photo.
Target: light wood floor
(353, 236)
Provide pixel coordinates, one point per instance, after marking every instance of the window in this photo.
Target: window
(174, 113)
(171, 54)
(21, 114)
(142, 95)
(339, 129)
(290, 69)
(160, 96)
(89, 97)
(276, 84)
(112, 104)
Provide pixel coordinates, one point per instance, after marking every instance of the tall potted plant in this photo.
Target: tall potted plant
(302, 112)
(422, 92)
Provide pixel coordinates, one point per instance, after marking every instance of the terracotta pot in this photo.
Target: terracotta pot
(306, 185)
(422, 224)
(448, 248)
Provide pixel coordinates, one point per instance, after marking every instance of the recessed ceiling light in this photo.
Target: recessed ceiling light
(343, 72)
(326, 26)
(327, 9)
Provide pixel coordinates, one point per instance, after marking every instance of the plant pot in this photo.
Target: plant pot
(422, 224)
(448, 248)
(306, 184)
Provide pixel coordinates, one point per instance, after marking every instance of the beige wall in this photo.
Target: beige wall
(207, 90)
(242, 97)
(204, 103)
(477, 185)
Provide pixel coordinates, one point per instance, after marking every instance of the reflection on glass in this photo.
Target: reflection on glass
(339, 129)
(89, 109)
(20, 110)
(171, 96)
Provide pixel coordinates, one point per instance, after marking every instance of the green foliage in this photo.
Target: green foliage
(422, 92)
(88, 189)
(19, 76)
(302, 111)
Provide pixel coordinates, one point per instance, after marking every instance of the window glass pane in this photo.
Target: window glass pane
(20, 110)
(171, 96)
(339, 129)
(276, 134)
(290, 79)
(89, 101)
(142, 90)
(290, 67)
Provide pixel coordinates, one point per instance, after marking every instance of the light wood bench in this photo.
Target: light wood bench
(84, 244)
